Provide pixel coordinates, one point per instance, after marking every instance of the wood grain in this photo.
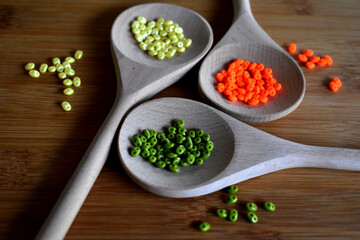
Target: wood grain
(40, 145)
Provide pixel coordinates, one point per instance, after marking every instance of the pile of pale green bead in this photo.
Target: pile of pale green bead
(64, 71)
(160, 38)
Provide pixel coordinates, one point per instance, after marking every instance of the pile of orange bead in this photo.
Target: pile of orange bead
(248, 82)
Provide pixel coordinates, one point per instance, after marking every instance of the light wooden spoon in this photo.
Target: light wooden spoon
(247, 40)
(139, 77)
(240, 151)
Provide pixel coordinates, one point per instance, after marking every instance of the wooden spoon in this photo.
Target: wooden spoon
(240, 151)
(246, 40)
(139, 77)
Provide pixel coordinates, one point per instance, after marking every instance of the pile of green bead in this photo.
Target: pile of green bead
(177, 146)
(160, 38)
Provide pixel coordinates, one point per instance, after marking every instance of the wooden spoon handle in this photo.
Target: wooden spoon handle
(78, 187)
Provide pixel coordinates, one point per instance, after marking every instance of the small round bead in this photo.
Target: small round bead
(62, 75)
(67, 82)
(252, 217)
(68, 91)
(43, 68)
(66, 65)
(174, 168)
(161, 55)
(152, 159)
(160, 164)
(56, 61)
(70, 72)
(269, 206)
(52, 69)
(59, 67)
(199, 161)
(76, 82)
(135, 24)
(29, 66)
(204, 227)
(187, 43)
(222, 213)
(233, 215)
(231, 199)
(232, 189)
(66, 106)
(135, 152)
(78, 54)
(141, 20)
(70, 59)
(34, 73)
(251, 207)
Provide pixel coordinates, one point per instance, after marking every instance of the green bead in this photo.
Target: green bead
(174, 168)
(209, 146)
(187, 42)
(66, 65)
(141, 20)
(191, 134)
(180, 149)
(52, 69)
(145, 145)
(189, 143)
(43, 68)
(160, 155)
(146, 133)
(70, 72)
(182, 131)
(143, 46)
(56, 61)
(153, 133)
(159, 148)
(151, 24)
(233, 215)
(70, 59)
(180, 139)
(66, 106)
(197, 154)
(204, 227)
(231, 199)
(135, 151)
(78, 54)
(205, 137)
(169, 145)
(34, 73)
(29, 66)
(252, 217)
(59, 67)
(161, 55)
(68, 82)
(135, 24)
(184, 163)
(222, 213)
(167, 161)
(136, 31)
(197, 140)
(201, 146)
(199, 161)
(160, 164)
(152, 151)
(172, 130)
(269, 206)
(251, 206)
(68, 91)
(145, 153)
(179, 123)
(161, 136)
(136, 141)
(171, 136)
(171, 155)
(62, 75)
(205, 154)
(232, 189)
(77, 82)
(199, 132)
(152, 159)
(181, 49)
(176, 160)
(190, 159)
(143, 138)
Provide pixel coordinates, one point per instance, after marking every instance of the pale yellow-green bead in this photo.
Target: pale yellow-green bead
(52, 69)
(168, 22)
(151, 48)
(139, 37)
(59, 67)
(76, 81)
(172, 36)
(154, 31)
(163, 33)
(66, 65)
(62, 75)
(151, 24)
(29, 66)
(159, 27)
(43, 68)
(143, 34)
(34, 73)
(178, 30)
(181, 49)
(70, 59)
(169, 54)
(70, 72)
(78, 54)
(152, 53)
(142, 27)
(174, 41)
(160, 55)
(135, 24)
(56, 61)
(66, 106)
(156, 37)
(68, 91)
(167, 41)
(187, 43)
(143, 46)
(180, 44)
(160, 21)
(158, 48)
(68, 82)
(169, 28)
(141, 20)
(180, 36)
(136, 31)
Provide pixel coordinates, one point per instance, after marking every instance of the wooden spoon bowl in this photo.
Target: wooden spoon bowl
(246, 40)
(240, 151)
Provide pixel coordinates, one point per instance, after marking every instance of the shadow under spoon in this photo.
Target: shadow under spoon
(139, 77)
(240, 151)
(247, 40)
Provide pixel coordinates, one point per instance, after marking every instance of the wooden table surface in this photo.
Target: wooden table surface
(41, 145)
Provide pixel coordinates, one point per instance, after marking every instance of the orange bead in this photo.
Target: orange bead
(328, 59)
(315, 59)
(308, 53)
(253, 102)
(277, 86)
(337, 81)
(232, 98)
(321, 62)
(310, 65)
(219, 77)
(302, 58)
(263, 99)
(220, 87)
(292, 48)
(333, 86)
